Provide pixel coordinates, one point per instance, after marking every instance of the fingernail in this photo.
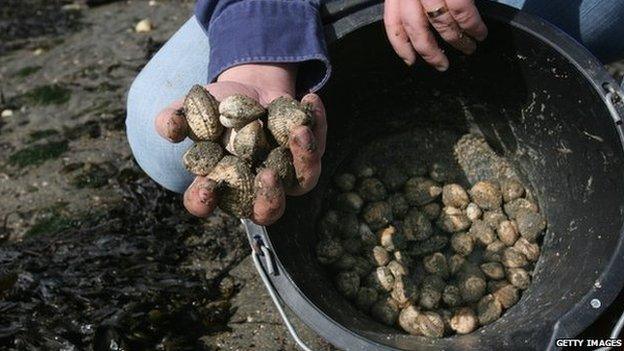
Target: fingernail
(305, 139)
(309, 98)
(442, 67)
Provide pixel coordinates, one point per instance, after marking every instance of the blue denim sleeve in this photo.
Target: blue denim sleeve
(262, 31)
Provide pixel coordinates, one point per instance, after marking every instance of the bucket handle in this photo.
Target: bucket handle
(259, 251)
(615, 332)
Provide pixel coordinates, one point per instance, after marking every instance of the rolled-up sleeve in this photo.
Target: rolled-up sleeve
(265, 31)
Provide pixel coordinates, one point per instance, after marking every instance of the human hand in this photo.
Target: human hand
(263, 82)
(408, 23)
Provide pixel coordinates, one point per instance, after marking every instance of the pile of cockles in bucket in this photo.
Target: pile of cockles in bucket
(431, 258)
(235, 138)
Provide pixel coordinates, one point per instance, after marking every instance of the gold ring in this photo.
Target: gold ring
(437, 12)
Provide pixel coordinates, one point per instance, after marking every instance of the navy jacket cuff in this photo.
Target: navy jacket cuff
(265, 31)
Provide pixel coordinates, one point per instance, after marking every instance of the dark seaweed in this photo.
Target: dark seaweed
(114, 279)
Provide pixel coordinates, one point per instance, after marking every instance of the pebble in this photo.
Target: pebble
(143, 26)
(7, 113)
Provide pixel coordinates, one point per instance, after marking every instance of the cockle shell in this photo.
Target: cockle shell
(238, 110)
(250, 142)
(227, 140)
(235, 186)
(281, 161)
(201, 158)
(286, 114)
(202, 115)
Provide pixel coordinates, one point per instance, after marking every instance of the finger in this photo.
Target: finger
(445, 24)
(320, 121)
(306, 158)
(171, 123)
(395, 32)
(468, 18)
(416, 25)
(270, 200)
(200, 198)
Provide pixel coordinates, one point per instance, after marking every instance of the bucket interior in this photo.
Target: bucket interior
(533, 107)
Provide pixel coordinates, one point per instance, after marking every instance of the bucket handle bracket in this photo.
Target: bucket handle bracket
(262, 257)
(615, 100)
